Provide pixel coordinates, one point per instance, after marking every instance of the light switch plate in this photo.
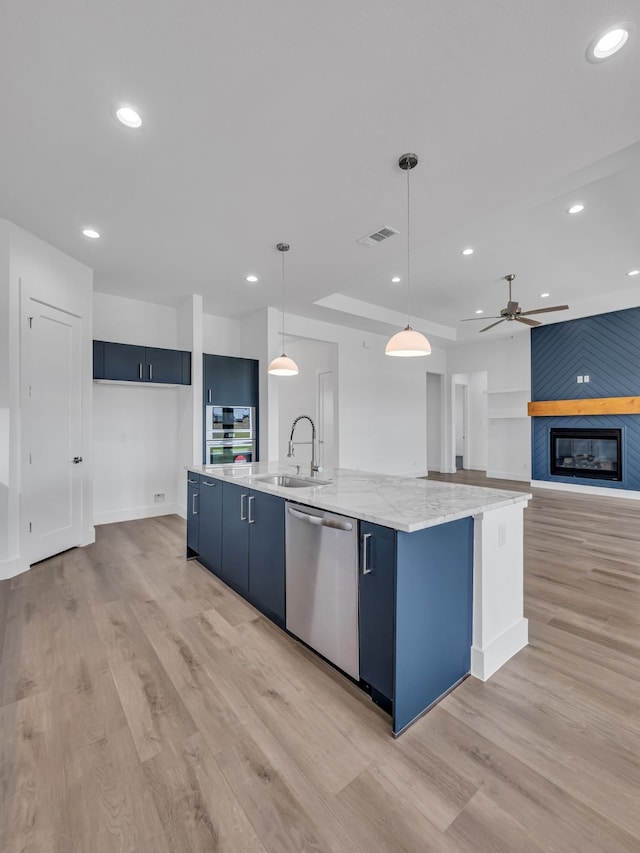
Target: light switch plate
(579, 378)
(585, 378)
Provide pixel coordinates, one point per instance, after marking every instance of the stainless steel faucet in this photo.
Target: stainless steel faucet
(315, 468)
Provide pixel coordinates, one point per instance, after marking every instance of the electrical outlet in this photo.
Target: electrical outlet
(586, 378)
(580, 379)
(159, 497)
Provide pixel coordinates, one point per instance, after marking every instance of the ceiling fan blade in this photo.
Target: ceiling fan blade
(544, 310)
(468, 319)
(486, 328)
(526, 321)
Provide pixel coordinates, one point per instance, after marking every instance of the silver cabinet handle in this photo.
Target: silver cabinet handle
(150, 371)
(206, 483)
(194, 482)
(140, 370)
(77, 460)
(365, 553)
(251, 518)
(209, 395)
(194, 511)
(243, 516)
(320, 521)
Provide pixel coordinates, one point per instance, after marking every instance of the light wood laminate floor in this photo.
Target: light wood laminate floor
(145, 707)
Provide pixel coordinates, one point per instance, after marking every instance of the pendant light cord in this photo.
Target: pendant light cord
(283, 254)
(408, 246)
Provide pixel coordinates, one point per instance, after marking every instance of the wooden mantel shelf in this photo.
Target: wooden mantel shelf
(593, 406)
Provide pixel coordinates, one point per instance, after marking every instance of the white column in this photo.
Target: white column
(499, 627)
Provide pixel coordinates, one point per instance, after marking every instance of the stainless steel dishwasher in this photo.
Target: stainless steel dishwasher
(322, 583)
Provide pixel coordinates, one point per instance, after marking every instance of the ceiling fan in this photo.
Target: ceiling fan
(514, 312)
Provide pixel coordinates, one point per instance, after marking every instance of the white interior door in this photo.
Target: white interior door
(326, 418)
(460, 421)
(51, 429)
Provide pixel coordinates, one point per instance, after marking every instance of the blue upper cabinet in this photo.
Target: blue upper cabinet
(130, 363)
(230, 381)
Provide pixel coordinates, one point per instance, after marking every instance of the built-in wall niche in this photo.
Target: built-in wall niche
(507, 403)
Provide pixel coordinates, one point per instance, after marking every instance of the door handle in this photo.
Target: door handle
(77, 460)
(209, 395)
(365, 553)
(320, 521)
(243, 516)
(251, 519)
(140, 370)
(150, 371)
(194, 511)
(206, 483)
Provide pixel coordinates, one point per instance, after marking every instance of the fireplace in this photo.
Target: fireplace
(592, 453)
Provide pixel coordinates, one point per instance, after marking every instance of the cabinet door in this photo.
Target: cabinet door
(193, 499)
(124, 362)
(234, 569)
(377, 606)
(211, 523)
(163, 365)
(230, 381)
(266, 554)
(185, 361)
(98, 360)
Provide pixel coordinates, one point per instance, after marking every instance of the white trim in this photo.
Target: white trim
(113, 516)
(484, 662)
(508, 475)
(420, 473)
(629, 494)
(13, 567)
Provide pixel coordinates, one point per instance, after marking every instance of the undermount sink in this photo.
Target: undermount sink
(289, 482)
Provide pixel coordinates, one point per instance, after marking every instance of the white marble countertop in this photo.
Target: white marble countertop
(402, 503)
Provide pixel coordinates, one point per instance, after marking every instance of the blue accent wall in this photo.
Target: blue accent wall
(607, 349)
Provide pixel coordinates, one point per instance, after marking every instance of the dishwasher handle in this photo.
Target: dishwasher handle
(320, 521)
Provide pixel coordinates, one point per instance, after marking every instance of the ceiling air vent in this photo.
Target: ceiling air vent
(377, 236)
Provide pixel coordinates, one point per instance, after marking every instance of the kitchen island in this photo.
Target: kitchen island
(440, 568)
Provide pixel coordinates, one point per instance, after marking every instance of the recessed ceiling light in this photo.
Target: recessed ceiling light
(91, 232)
(544, 295)
(468, 251)
(606, 44)
(575, 208)
(252, 278)
(479, 311)
(633, 272)
(128, 117)
(395, 279)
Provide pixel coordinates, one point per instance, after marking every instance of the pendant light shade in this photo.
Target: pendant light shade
(283, 365)
(408, 343)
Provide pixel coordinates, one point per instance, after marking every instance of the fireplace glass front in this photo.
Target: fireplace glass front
(592, 453)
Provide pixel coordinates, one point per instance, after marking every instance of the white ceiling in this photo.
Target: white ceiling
(285, 120)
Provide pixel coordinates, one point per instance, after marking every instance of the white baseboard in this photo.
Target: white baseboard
(421, 473)
(484, 662)
(113, 516)
(11, 568)
(629, 494)
(508, 475)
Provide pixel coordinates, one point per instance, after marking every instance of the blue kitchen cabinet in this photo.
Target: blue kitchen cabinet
(377, 609)
(230, 381)
(131, 363)
(193, 518)
(234, 568)
(266, 554)
(252, 559)
(433, 604)
(210, 529)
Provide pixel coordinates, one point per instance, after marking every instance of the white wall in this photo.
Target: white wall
(298, 395)
(30, 267)
(434, 421)
(477, 444)
(135, 426)
(507, 362)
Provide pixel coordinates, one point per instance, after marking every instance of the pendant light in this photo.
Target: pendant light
(283, 365)
(408, 342)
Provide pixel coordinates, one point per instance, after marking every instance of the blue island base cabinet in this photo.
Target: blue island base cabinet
(416, 594)
(434, 600)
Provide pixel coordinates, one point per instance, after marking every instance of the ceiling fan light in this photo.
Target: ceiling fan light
(283, 366)
(408, 344)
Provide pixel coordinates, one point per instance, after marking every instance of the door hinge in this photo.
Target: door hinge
(29, 390)
(30, 319)
(30, 459)
(30, 528)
